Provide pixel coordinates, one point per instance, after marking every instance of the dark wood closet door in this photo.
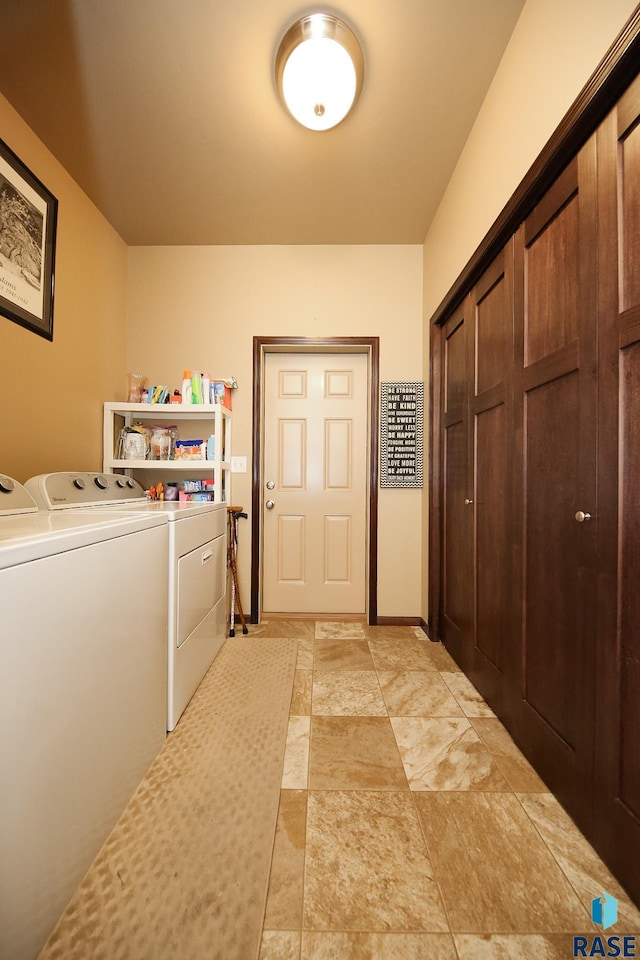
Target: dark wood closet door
(492, 428)
(457, 505)
(617, 764)
(555, 480)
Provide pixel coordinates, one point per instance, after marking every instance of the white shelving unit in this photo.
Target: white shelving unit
(193, 421)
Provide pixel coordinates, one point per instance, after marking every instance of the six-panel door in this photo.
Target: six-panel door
(316, 459)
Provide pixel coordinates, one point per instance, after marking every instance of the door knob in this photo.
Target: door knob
(581, 516)
(467, 502)
(270, 484)
(269, 504)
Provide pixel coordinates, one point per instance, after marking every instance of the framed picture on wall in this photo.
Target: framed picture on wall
(401, 433)
(28, 215)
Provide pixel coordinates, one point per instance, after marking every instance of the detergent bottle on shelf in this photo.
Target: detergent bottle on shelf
(186, 386)
(206, 388)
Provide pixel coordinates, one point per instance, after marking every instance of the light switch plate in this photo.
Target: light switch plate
(238, 464)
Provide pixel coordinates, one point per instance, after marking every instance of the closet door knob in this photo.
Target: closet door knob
(269, 504)
(581, 516)
(467, 502)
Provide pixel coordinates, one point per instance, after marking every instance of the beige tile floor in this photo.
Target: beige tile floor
(410, 826)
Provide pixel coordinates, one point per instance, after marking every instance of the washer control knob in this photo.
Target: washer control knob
(100, 483)
(6, 485)
(79, 483)
(120, 483)
(130, 483)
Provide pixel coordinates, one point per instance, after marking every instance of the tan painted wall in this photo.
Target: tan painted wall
(52, 392)
(200, 307)
(555, 48)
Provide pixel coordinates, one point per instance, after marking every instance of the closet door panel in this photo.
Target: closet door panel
(491, 548)
(629, 152)
(617, 767)
(555, 396)
(491, 412)
(494, 324)
(551, 317)
(456, 368)
(624, 814)
(629, 452)
(456, 526)
(629, 609)
(456, 516)
(552, 557)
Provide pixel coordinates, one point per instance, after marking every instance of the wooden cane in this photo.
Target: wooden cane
(234, 513)
(232, 631)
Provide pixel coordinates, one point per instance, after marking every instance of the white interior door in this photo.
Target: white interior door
(314, 484)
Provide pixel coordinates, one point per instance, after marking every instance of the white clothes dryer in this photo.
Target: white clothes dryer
(197, 567)
(82, 696)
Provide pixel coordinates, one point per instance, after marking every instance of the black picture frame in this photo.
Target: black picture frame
(28, 222)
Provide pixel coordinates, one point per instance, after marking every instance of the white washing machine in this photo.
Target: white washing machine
(196, 568)
(82, 696)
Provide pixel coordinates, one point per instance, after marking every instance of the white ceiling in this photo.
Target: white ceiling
(166, 114)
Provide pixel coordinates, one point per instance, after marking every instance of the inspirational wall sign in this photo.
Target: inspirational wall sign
(401, 434)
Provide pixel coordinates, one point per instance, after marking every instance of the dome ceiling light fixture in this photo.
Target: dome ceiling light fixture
(319, 70)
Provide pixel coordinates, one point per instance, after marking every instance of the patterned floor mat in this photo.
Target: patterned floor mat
(185, 871)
